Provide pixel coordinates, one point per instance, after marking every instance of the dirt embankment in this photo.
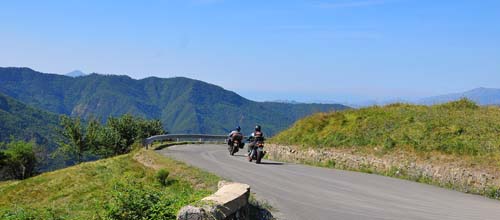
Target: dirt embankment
(438, 169)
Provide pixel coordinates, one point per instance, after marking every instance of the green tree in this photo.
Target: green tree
(130, 129)
(115, 138)
(78, 140)
(19, 159)
(126, 127)
(3, 157)
(109, 142)
(148, 128)
(92, 133)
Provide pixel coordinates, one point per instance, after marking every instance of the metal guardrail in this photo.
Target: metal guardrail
(184, 137)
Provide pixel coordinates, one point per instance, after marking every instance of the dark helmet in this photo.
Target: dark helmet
(257, 128)
(238, 128)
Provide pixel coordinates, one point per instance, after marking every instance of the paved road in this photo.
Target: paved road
(304, 192)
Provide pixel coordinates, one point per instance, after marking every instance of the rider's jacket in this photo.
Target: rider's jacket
(233, 132)
(256, 135)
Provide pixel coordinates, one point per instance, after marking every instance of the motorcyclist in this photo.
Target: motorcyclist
(236, 133)
(257, 135)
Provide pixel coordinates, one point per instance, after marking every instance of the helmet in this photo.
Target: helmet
(238, 128)
(257, 128)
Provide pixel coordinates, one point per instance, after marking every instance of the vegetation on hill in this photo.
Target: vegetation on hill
(113, 138)
(27, 123)
(454, 145)
(185, 105)
(458, 128)
(114, 188)
(18, 160)
(53, 145)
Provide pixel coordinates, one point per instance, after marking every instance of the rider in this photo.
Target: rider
(254, 137)
(234, 134)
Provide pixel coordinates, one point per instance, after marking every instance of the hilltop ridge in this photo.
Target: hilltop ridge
(183, 105)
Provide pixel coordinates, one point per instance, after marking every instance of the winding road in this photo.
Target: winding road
(302, 192)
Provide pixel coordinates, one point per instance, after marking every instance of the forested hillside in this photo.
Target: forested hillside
(182, 104)
(21, 121)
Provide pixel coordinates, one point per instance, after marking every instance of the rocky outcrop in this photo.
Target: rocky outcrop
(230, 202)
(440, 170)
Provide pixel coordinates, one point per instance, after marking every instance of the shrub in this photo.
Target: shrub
(493, 192)
(162, 176)
(463, 103)
(19, 159)
(330, 163)
(135, 201)
(20, 213)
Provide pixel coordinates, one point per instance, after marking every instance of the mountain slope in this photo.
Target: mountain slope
(182, 104)
(24, 122)
(482, 96)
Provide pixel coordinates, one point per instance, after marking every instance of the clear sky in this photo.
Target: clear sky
(265, 50)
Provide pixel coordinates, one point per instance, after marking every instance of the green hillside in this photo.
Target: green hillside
(182, 104)
(104, 188)
(458, 128)
(24, 122)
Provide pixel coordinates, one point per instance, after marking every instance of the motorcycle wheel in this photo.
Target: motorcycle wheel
(234, 150)
(231, 151)
(259, 156)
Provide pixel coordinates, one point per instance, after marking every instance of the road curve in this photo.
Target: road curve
(304, 192)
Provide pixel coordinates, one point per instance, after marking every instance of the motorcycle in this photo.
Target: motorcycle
(258, 151)
(235, 144)
(233, 148)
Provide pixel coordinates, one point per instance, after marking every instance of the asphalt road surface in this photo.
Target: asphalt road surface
(306, 193)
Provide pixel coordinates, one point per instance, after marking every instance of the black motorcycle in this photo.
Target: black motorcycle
(257, 151)
(235, 143)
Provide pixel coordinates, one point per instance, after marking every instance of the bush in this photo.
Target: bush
(19, 159)
(3, 158)
(493, 192)
(135, 201)
(162, 176)
(20, 213)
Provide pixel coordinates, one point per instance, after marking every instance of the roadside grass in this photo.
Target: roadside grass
(459, 134)
(460, 128)
(85, 191)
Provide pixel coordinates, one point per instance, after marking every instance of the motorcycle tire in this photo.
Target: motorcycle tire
(234, 150)
(259, 157)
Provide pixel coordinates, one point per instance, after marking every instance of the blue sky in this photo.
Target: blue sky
(345, 50)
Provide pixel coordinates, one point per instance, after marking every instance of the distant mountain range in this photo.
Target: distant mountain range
(183, 105)
(288, 101)
(75, 73)
(482, 96)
